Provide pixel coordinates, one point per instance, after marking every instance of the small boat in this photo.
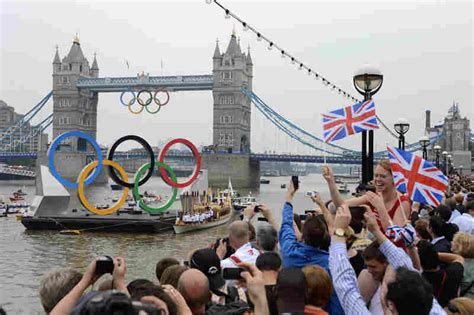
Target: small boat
(243, 202)
(3, 210)
(283, 186)
(17, 197)
(20, 192)
(264, 181)
(342, 187)
(188, 227)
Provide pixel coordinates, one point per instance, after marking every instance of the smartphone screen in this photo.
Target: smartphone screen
(232, 273)
(262, 219)
(303, 217)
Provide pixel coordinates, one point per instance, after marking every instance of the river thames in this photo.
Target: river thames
(27, 255)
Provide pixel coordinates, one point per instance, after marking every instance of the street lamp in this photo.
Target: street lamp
(437, 150)
(401, 127)
(460, 169)
(368, 81)
(448, 165)
(445, 160)
(424, 142)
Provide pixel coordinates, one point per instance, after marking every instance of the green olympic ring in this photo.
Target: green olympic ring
(136, 193)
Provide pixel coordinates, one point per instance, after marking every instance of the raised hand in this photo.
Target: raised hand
(327, 173)
(371, 221)
(290, 192)
(376, 201)
(317, 199)
(343, 217)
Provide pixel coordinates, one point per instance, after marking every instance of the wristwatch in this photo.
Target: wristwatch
(340, 232)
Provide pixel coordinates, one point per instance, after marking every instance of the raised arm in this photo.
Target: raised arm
(327, 215)
(287, 236)
(335, 195)
(448, 258)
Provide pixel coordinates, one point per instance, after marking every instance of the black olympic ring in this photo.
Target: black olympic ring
(146, 146)
(148, 101)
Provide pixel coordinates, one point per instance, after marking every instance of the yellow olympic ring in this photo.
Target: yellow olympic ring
(130, 107)
(82, 197)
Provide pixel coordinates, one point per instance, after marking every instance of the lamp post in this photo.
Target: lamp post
(368, 81)
(448, 165)
(445, 161)
(401, 127)
(437, 150)
(460, 169)
(424, 142)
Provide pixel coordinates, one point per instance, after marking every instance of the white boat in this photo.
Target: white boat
(243, 202)
(342, 187)
(189, 227)
(3, 210)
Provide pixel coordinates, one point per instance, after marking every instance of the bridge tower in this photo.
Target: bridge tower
(74, 109)
(232, 70)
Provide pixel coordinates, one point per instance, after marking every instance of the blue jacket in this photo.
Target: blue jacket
(298, 254)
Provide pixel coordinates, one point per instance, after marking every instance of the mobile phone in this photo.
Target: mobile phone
(357, 212)
(104, 264)
(309, 211)
(256, 209)
(303, 217)
(296, 182)
(262, 219)
(232, 273)
(311, 193)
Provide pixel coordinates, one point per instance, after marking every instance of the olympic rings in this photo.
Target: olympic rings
(136, 193)
(52, 152)
(131, 101)
(145, 145)
(85, 171)
(152, 97)
(131, 111)
(196, 154)
(167, 96)
(148, 101)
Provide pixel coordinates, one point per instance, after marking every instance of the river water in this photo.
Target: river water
(26, 255)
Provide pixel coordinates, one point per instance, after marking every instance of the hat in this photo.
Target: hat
(207, 261)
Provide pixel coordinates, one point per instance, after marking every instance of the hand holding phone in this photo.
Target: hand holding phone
(296, 182)
(232, 273)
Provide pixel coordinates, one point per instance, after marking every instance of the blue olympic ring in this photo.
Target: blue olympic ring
(52, 151)
(128, 91)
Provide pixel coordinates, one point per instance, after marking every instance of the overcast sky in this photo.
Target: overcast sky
(424, 49)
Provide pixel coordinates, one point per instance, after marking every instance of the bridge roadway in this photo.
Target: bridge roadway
(188, 156)
(170, 83)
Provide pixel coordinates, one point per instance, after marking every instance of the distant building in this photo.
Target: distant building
(21, 139)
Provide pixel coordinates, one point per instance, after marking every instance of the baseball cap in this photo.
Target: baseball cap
(207, 261)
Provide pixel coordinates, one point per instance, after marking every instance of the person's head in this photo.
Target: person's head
(269, 263)
(450, 203)
(469, 197)
(315, 233)
(463, 244)
(162, 264)
(409, 293)
(207, 261)
(459, 197)
(267, 237)
(437, 226)
(55, 285)
(428, 255)
(421, 228)
(171, 275)
(291, 290)
(252, 232)
(376, 261)
(194, 287)
(470, 208)
(141, 288)
(444, 212)
(383, 179)
(460, 306)
(319, 285)
(239, 234)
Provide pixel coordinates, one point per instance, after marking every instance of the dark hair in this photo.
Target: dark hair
(297, 220)
(428, 255)
(151, 289)
(162, 264)
(372, 252)
(133, 285)
(267, 237)
(469, 206)
(444, 212)
(421, 227)
(410, 293)
(315, 233)
(268, 261)
(441, 228)
(291, 290)
(450, 203)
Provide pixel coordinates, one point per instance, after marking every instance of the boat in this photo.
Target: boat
(202, 210)
(3, 210)
(243, 202)
(20, 192)
(342, 187)
(264, 181)
(16, 196)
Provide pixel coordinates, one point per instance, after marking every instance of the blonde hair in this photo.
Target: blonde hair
(464, 244)
(464, 306)
(55, 285)
(385, 164)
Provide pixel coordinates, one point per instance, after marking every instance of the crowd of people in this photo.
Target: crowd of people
(375, 253)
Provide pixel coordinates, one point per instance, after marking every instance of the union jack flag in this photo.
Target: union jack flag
(420, 179)
(349, 120)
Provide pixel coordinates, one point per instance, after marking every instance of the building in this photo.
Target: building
(232, 70)
(74, 109)
(26, 138)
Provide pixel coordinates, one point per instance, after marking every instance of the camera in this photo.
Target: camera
(311, 193)
(296, 182)
(232, 273)
(114, 302)
(256, 209)
(104, 264)
(303, 217)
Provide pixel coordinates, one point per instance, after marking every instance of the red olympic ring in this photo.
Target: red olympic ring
(157, 101)
(196, 154)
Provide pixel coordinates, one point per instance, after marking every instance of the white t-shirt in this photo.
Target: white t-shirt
(465, 222)
(246, 253)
